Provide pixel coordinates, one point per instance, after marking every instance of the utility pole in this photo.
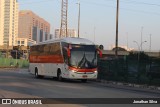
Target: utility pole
(7, 49)
(116, 44)
(78, 17)
(141, 36)
(64, 14)
(94, 33)
(16, 57)
(127, 40)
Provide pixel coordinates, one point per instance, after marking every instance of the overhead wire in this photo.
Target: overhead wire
(126, 9)
(26, 3)
(138, 2)
(105, 5)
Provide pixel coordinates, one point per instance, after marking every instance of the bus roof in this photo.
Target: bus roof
(71, 40)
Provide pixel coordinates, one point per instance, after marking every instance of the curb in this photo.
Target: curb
(130, 86)
(8, 67)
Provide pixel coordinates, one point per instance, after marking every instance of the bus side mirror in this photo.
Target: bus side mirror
(68, 52)
(100, 53)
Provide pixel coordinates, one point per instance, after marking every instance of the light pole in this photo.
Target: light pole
(142, 44)
(150, 45)
(139, 47)
(78, 17)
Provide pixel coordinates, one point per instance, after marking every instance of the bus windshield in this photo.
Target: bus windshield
(83, 56)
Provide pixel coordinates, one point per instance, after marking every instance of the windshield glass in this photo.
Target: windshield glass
(83, 56)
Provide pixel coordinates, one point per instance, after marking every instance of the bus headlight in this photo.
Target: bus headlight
(95, 71)
(73, 71)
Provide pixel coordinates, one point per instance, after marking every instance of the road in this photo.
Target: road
(19, 83)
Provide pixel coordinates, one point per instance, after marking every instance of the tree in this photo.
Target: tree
(119, 49)
(101, 47)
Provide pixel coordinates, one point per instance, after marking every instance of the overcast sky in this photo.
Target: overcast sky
(99, 16)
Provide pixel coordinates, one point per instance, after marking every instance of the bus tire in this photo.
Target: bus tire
(59, 75)
(84, 80)
(36, 73)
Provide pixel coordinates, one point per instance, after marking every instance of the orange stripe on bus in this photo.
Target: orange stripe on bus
(46, 59)
(83, 70)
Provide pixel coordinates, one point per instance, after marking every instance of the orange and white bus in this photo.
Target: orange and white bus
(70, 58)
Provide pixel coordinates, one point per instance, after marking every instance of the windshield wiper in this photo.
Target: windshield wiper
(82, 61)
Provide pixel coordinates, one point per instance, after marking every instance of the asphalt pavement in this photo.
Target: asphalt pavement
(19, 83)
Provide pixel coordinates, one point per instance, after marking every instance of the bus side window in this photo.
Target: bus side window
(65, 56)
(46, 49)
(64, 45)
(41, 49)
(55, 49)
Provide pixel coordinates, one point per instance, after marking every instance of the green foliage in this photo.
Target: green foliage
(101, 47)
(134, 56)
(119, 49)
(0, 54)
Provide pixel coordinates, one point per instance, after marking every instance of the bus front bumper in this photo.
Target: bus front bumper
(83, 75)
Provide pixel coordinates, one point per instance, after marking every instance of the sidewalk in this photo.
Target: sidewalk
(129, 86)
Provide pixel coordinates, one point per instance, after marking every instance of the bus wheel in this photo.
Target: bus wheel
(59, 76)
(84, 80)
(36, 73)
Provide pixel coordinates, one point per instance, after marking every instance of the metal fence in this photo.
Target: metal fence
(145, 70)
(10, 62)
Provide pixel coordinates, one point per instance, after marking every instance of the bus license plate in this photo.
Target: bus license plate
(84, 76)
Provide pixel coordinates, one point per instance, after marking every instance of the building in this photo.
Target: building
(22, 41)
(8, 22)
(40, 36)
(70, 33)
(25, 42)
(51, 36)
(32, 26)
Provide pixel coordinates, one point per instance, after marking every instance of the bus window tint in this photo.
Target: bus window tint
(34, 50)
(46, 49)
(41, 49)
(55, 49)
(83, 56)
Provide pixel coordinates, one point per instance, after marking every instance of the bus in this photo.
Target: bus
(67, 58)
